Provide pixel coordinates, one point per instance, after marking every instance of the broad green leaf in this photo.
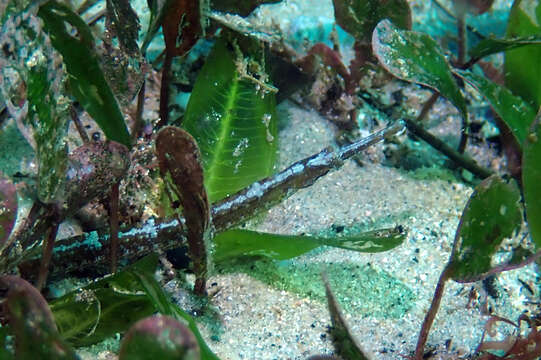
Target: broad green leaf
(243, 8)
(36, 335)
(159, 337)
(8, 208)
(492, 214)
(236, 243)
(531, 180)
(360, 17)
(522, 70)
(491, 46)
(105, 307)
(233, 121)
(164, 306)
(513, 110)
(417, 58)
(87, 82)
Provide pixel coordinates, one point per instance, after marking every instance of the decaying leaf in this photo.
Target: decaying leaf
(181, 169)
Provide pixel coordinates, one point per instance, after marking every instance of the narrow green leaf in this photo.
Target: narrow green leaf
(163, 305)
(513, 110)
(491, 46)
(522, 70)
(236, 243)
(99, 310)
(233, 121)
(159, 337)
(8, 208)
(344, 342)
(360, 17)
(492, 214)
(531, 180)
(417, 58)
(87, 82)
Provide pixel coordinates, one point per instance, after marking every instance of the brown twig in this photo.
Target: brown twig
(460, 159)
(91, 252)
(80, 128)
(113, 224)
(431, 313)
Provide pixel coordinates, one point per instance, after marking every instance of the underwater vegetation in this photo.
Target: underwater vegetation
(186, 180)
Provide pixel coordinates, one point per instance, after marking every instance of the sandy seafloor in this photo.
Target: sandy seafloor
(276, 310)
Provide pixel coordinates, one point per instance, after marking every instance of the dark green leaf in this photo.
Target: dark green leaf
(159, 337)
(8, 208)
(492, 214)
(522, 70)
(105, 307)
(87, 82)
(163, 305)
(417, 58)
(360, 17)
(233, 120)
(235, 243)
(243, 8)
(531, 179)
(345, 344)
(513, 110)
(492, 45)
(36, 335)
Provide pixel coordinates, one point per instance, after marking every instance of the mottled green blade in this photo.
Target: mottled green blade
(8, 208)
(513, 110)
(492, 214)
(491, 46)
(50, 121)
(237, 243)
(87, 82)
(233, 122)
(360, 17)
(416, 57)
(95, 312)
(531, 180)
(522, 70)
